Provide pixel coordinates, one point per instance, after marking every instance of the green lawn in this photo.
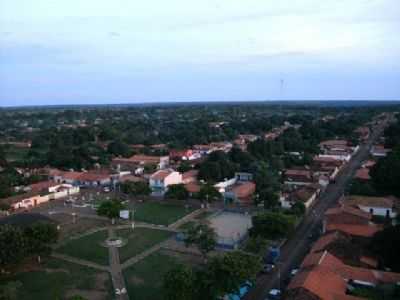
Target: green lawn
(88, 248)
(60, 280)
(160, 214)
(139, 240)
(144, 279)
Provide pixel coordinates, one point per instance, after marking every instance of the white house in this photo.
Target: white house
(160, 180)
(36, 197)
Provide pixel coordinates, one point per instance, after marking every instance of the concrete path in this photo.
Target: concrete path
(115, 268)
(139, 257)
(186, 218)
(80, 262)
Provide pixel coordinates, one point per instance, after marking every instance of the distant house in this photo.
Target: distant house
(325, 277)
(135, 161)
(305, 194)
(160, 180)
(377, 206)
(89, 179)
(244, 176)
(294, 177)
(337, 149)
(241, 193)
(350, 221)
(363, 132)
(379, 151)
(39, 194)
(362, 174)
(83, 179)
(204, 149)
(186, 154)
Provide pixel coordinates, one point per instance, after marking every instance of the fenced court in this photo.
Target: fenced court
(231, 228)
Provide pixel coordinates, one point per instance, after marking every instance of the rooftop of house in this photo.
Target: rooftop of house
(295, 172)
(324, 284)
(332, 263)
(382, 202)
(141, 158)
(91, 176)
(346, 209)
(20, 197)
(325, 240)
(43, 185)
(161, 174)
(362, 174)
(243, 189)
(303, 194)
(357, 230)
(131, 177)
(334, 143)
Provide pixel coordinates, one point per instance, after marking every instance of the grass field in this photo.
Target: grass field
(88, 248)
(160, 214)
(58, 279)
(139, 240)
(144, 279)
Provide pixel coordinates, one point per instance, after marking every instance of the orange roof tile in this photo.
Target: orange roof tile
(160, 175)
(341, 209)
(354, 230)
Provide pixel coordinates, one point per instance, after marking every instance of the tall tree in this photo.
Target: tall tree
(203, 237)
(233, 269)
(13, 246)
(110, 209)
(179, 283)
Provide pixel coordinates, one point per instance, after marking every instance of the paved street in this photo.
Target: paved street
(297, 246)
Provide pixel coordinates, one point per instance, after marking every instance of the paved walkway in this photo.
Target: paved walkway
(115, 268)
(139, 257)
(186, 218)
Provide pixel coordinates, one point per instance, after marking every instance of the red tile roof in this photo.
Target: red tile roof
(333, 264)
(160, 175)
(89, 176)
(324, 241)
(384, 202)
(294, 172)
(354, 230)
(363, 174)
(36, 187)
(324, 284)
(244, 190)
(345, 209)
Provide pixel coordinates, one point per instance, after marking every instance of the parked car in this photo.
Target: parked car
(294, 272)
(274, 294)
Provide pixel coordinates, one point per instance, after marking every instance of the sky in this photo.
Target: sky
(124, 51)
